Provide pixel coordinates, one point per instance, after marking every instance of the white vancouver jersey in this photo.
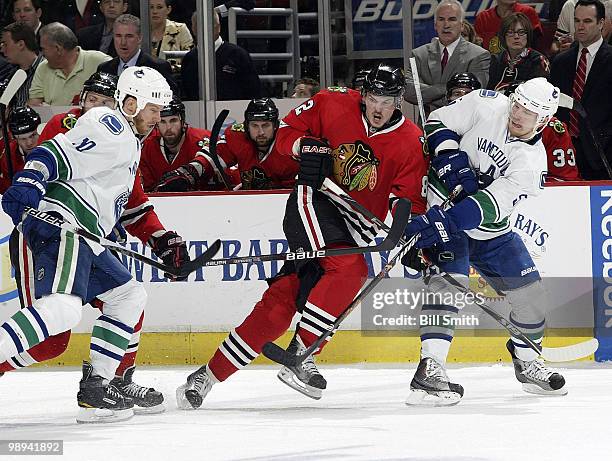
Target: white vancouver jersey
(96, 165)
(509, 170)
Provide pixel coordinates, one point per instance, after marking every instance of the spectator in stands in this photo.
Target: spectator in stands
(468, 33)
(236, 77)
(564, 35)
(127, 37)
(28, 12)
(76, 14)
(584, 72)
(58, 80)
(305, 88)
(446, 55)
(21, 49)
(517, 62)
(100, 36)
(488, 22)
(167, 35)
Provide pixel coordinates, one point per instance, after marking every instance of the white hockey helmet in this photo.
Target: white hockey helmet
(539, 96)
(144, 84)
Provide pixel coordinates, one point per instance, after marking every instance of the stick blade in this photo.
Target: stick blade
(201, 260)
(570, 353)
(279, 355)
(13, 85)
(400, 221)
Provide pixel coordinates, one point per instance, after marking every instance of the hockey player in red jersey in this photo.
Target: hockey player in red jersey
(560, 152)
(139, 219)
(174, 144)
(363, 142)
(23, 124)
(250, 146)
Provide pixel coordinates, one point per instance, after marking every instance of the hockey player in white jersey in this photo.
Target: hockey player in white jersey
(85, 176)
(491, 146)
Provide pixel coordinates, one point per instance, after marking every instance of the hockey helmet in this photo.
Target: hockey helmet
(176, 107)
(539, 96)
(23, 120)
(384, 80)
(462, 80)
(101, 83)
(261, 110)
(146, 85)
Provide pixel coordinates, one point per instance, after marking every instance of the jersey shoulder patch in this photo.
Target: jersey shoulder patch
(557, 125)
(488, 94)
(238, 127)
(112, 123)
(337, 89)
(69, 121)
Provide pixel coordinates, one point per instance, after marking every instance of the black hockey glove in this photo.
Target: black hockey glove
(414, 259)
(172, 250)
(180, 180)
(316, 162)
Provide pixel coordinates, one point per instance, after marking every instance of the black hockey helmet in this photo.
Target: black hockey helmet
(462, 80)
(176, 107)
(384, 80)
(359, 77)
(23, 120)
(509, 88)
(101, 83)
(261, 110)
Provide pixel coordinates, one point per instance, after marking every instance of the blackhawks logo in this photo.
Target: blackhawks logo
(355, 166)
(69, 121)
(238, 127)
(255, 179)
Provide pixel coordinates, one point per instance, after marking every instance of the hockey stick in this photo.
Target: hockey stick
(183, 271)
(570, 103)
(552, 354)
(394, 235)
(11, 89)
(212, 150)
(417, 89)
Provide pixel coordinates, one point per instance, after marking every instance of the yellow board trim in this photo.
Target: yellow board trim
(187, 348)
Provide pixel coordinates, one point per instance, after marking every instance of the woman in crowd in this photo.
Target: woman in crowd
(517, 62)
(167, 35)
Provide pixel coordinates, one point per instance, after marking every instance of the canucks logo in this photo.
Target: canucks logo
(355, 166)
(120, 203)
(111, 122)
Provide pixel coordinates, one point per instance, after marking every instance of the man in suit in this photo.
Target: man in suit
(127, 37)
(446, 55)
(584, 72)
(100, 36)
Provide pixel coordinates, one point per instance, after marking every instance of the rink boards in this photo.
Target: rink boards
(565, 230)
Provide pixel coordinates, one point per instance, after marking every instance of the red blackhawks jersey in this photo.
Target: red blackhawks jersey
(272, 170)
(154, 164)
(371, 166)
(18, 162)
(139, 217)
(560, 152)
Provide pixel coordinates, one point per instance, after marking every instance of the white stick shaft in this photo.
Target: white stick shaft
(417, 88)
(13, 86)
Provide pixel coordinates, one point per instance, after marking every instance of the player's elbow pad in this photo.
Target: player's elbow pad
(44, 162)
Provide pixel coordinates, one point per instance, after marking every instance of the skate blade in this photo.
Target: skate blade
(182, 402)
(535, 389)
(102, 415)
(286, 376)
(153, 410)
(422, 398)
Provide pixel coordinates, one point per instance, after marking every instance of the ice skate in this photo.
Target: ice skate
(305, 377)
(430, 386)
(535, 376)
(100, 401)
(146, 399)
(190, 395)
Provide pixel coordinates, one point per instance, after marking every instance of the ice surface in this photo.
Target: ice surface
(362, 415)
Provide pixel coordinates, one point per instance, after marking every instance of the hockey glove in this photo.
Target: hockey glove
(180, 180)
(435, 226)
(172, 250)
(414, 259)
(316, 162)
(453, 169)
(27, 189)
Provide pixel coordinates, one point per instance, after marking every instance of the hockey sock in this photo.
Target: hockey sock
(50, 348)
(268, 320)
(437, 330)
(24, 330)
(535, 332)
(341, 281)
(130, 354)
(109, 341)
